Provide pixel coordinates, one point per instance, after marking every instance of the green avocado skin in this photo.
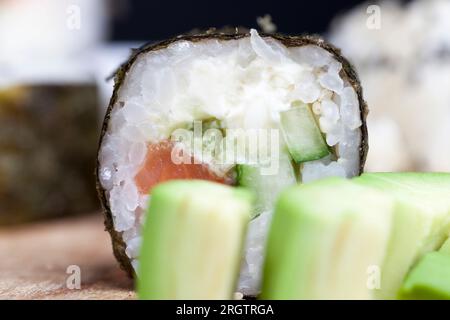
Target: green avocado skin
(429, 280)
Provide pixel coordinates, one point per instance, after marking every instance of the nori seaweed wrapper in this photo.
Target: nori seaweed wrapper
(48, 136)
(347, 72)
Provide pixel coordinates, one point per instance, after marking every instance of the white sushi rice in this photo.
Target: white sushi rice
(245, 84)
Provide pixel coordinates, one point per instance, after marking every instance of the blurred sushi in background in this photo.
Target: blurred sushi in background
(47, 142)
(404, 66)
(49, 107)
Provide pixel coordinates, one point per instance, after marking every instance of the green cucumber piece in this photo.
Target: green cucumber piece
(429, 279)
(267, 187)
(302, 134)
(193, 238)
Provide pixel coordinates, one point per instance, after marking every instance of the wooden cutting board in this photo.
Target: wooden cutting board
(44, 260)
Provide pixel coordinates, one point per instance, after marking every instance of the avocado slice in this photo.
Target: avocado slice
(302, 134)
(429, 279)
(421, 221)
(326, 238)
(193, 238)
(267, 187)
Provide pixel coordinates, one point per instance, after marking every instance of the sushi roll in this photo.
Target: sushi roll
(33, 159)
(404, 68)
(49, 108)
(244, 109)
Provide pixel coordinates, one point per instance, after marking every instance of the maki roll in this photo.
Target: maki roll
(33, 159)
(49, 108)
(199, 256)
(258, 111)
(404, 68)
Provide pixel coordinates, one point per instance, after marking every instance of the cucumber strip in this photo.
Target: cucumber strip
(267, 187)
(302, 134)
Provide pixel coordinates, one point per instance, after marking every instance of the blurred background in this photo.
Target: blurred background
(56, 57)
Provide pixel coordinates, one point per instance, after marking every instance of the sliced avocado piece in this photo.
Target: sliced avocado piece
(421, 221)
(266, 186)
(193, 238)
(302, 134)
(429, 279)
(326, 241)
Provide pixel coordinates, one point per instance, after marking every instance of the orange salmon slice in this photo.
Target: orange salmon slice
(159, 167)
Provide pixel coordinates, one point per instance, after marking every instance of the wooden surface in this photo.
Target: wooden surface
(34, 261)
